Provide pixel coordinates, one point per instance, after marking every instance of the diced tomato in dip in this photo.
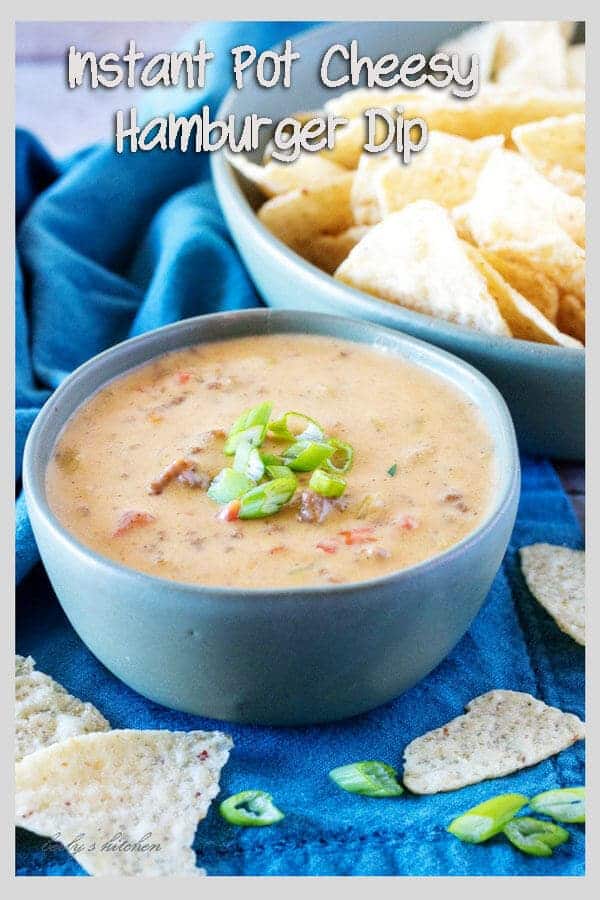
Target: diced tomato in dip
(131, 469)
(363, 535)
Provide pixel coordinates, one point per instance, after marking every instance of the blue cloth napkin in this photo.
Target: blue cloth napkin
(111, 246)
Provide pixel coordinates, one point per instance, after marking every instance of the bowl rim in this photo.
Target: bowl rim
(33, 479)
(227, 179)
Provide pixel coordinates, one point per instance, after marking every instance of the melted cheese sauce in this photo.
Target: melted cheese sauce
(397, 416)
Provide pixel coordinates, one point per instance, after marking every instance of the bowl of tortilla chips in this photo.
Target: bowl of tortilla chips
(476, 245)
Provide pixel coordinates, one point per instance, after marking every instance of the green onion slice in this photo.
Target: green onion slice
(370, 779)
(305, 456)
(564, 805)
(487, 819)
(253, 809)
(340, 460)
(248, 460)
(327, 484)
(280, 472)
(229, 485)
(392, 470)
(269, 459)
(250, 427)
(534, 836)
(310, 429)
(268, 498)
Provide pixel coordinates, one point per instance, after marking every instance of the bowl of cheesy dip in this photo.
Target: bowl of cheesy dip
(272, 516)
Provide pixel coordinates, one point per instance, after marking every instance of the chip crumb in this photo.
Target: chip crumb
(123, 802)
(46, 713)
(556, 578)
(501, 732)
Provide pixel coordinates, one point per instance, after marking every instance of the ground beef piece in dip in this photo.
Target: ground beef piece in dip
(175, 470)
(314, 508)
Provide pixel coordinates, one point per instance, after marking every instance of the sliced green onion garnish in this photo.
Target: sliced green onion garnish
(327, 484)
(341, 459)
(487, 819)
(280, 472)
(250, 427)
(392, 470)
(229, 485)
(534, 836)
(252, 809)
(371, 779)
(305, 456)
(268, 498)
(564, 805)
(310, 430)
(269, 459)
(248, 460)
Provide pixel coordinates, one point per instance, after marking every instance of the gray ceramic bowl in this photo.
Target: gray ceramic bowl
(544, 386)
(270, 656)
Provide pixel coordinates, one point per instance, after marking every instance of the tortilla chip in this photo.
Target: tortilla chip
(328, 251)
(516, 213)
(566, 180)
(445, 171)
(364, 196)
(556, 578)
(147, 787)
(554, 142)
(513, 201)
(310, 170)
(496, 109)
(571, 316)
(482, 40)
(415, 259)
(501, 732)
(350, 140)
(522, 317)
(536, 287)
(352, 104)
(576, 66)
(46, 713)
(532, 54)
(297, 217)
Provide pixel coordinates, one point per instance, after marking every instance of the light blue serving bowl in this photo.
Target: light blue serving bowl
(275, 656)
(544, 386)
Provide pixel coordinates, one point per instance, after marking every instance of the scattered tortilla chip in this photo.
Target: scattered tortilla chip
(24, 665)
(571, 316)
(445, 171)
(576, 66)
(328, 251)
(556, 578)
(554, 141)
(501, 732)
(295, 218)
(532, 54)
(46, 713)
(522, 317)
(531, 284)
(310, 170)
(147, 789)
(414, 258)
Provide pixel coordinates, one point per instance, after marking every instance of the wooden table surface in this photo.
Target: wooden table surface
(66, 120)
